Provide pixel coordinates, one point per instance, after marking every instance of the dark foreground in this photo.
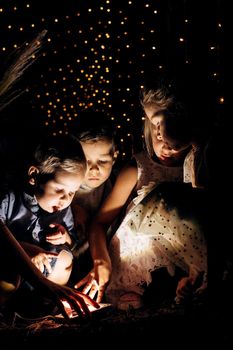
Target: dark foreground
(181, 327)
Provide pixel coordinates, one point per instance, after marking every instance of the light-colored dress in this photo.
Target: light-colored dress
(153, 234)
(149, 170)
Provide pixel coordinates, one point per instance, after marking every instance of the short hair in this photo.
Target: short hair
(93, 126)
(59, 153)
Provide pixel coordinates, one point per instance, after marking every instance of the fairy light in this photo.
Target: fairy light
(90, 59)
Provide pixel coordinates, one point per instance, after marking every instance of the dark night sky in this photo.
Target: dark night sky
(98, 53)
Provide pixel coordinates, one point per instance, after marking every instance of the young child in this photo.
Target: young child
(14, 261)
(98, 139)
(40, 216)
(152, 234)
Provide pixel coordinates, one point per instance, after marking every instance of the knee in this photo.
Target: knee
(7, 288)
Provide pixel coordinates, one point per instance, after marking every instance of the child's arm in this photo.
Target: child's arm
(24, 266)
(97, 280)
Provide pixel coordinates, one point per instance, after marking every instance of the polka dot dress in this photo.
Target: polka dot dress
(153, 234)
(149, 170)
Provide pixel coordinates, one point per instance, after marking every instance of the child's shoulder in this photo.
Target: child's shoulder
(143, 155)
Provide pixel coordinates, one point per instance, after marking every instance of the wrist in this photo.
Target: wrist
(103, 262)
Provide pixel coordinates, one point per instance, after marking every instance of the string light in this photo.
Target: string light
(97, 55)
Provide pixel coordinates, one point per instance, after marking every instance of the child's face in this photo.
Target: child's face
(57, 193)
(168, 151)
(99, 162)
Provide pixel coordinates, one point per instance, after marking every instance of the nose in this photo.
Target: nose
(167, 151)
(64, 197)
(93, 168)
(165, 147)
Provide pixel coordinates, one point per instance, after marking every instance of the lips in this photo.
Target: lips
(165, 157)
(56, 208)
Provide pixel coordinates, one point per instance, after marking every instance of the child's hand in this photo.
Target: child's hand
(96, 281)
(184, 288)
(42, 261)
(56, 293)
(190, 286)
(77, 301)
(57, 235)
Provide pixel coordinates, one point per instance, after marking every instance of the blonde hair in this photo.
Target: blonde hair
(149, 98)
(158, 97)
(53, 164)
(173, 110)
(60, 153)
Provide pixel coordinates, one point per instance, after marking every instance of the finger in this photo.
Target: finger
(88, 300)
(62, 309)
(41, 266)
(86, 280)
(100, 294)
(77, 301)
(51, 255)
(85, 297)
(79, 305)
(76, 305)
(73, 300)
(81, 283)
(93, 291)
(87, 288)
(47, 265)
(53, 236)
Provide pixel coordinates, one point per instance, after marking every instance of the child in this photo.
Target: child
(143, 242)
(12, 256)
(40, 216)
(98, 139)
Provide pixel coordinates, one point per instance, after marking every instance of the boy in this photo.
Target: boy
(40, 216)
(98, 139)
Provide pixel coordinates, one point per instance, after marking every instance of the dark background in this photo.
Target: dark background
(98, 53)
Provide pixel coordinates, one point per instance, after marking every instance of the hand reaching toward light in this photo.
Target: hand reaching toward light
(96, 281)
(22, 265)
(58, 294)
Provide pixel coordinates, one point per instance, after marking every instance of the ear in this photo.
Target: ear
(115, 155)
(32, 174)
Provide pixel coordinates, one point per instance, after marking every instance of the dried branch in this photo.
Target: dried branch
(17, 68)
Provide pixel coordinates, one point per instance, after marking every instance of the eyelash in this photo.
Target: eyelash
(104, 161)
(70, 194)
